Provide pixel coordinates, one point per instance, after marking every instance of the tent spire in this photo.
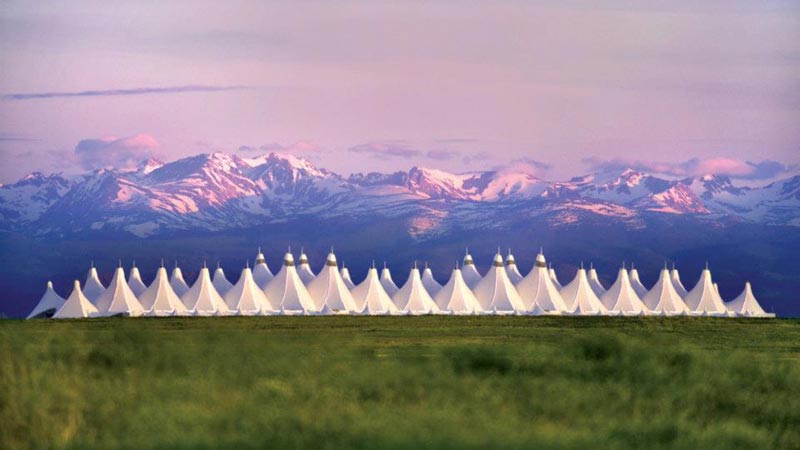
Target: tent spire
(120, 262)
(706, 265)
(581, 265)
(91, 264)
(591, 265)
(247, 263)
(134, 263)
(162, 262)
(373, 263)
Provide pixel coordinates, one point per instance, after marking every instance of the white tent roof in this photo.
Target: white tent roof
(412, 298)
(703, 299)
(48, 304)
(202, 299)
(579, 298)
(746, 305)
(431, 285)
(387, 282)
(663, 298)
(93, 288)
(304, 269)
(456, 297)
(221, 284)
(328, 288)
(177, 282)
(345, 273)
(118, 298)
(495, 292)
(371, 298)
(512, 270)
(469, 272)
(676, 283)
(246, 298)
(135, 281)
(261, 273)
(287, 290)
(76, 305)
(595, 283)
(621, 298)
(160, 299)
(553, 277)
(636, 283)
(537, 289)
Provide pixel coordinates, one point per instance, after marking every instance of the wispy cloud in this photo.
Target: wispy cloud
(122, 92)
(387, 149)
(299, 147)
(120, 153)
(732, 167)
(12, 137)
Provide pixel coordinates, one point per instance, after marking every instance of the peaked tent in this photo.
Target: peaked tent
(93, 288)
(537, 289)
(177, 282)
(287, 291)
(76, 305)
(676, 283)
(160, 299)
(371, 298)
(118, 299)
(468, 271)
(304, 269)
(345, 273)
(135, 281)
(580, 299)
(594, 282)
(621, 298)
(663, 299)
(636, 283)
(746, 305)
(703, 299)
(202, 299)
(246, 298)
(431, 285)
(328, 289)
(495, 293)
(221, 284)
(456, 297)
(48, 304)
(512, 270)
(553, 277)
(413, 299)
(261, 273)
(387, 282)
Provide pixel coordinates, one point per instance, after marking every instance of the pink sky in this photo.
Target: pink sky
(381, 86)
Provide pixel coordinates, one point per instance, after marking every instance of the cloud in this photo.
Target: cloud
(120, 153)
(734, 168)
(13, 137)
(299, 147)
(119, 92)
(442, 155)
(386, 149)
(529, 166)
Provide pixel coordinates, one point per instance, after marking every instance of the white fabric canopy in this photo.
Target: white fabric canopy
(495, 293)
(288, 292)
(538, 292)
(160, 299)
(246, 298)
(202, 299)
(76, 306)
(413, 299)
(118, 299)
(579, 298)
(48, 304)
(328, 289)
(456, 297)
(746, 305)
(703, 298)
(469, 272)
(621, 298)
(371, 298)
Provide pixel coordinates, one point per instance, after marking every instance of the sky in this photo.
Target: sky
(681, 87)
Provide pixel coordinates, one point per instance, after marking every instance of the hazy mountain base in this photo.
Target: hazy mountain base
(410, 382)
(736, 252)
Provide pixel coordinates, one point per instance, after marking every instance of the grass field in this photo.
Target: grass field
(411, 382)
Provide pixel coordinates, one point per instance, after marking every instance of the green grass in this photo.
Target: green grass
(410, 382)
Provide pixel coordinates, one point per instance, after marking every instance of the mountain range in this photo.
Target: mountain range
(220, 207)
(221, 191)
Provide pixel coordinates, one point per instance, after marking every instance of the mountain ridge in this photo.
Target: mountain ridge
(218, 191)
